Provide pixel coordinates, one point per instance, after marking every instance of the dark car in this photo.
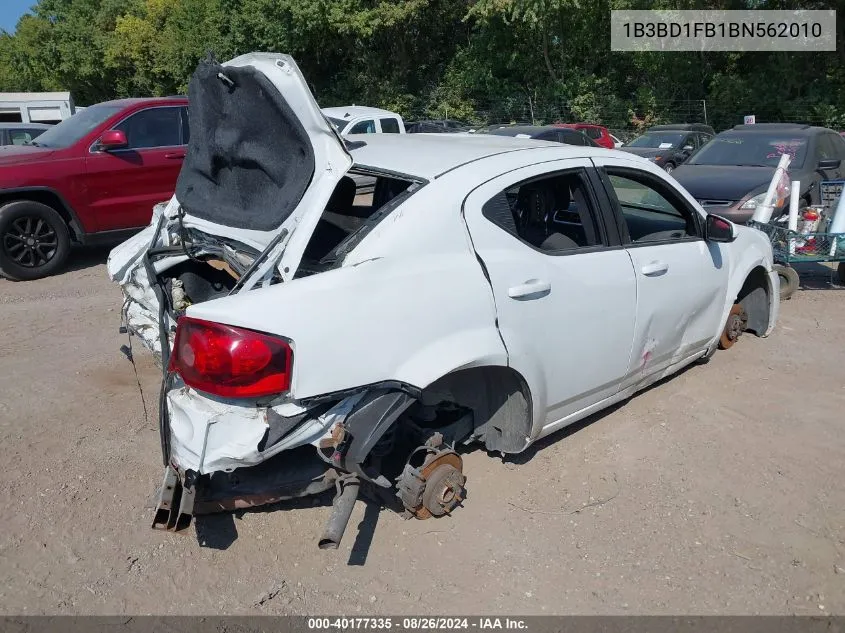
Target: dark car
(21, 133)
(600, 134)
(94, 177)
(730, 175)
(668, 146)
(436, 126)
(543, 133)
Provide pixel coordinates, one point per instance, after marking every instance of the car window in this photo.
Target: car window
(838, 145)
(824, 148)
(572, 138)
(553, 214)
(153, 127)
(658, 140)
(592, 132)
(551, 135)
(363, 127)
(19, 137)
(389, 126)
(186, 127)
(752, 149)
(652, 212)
(73, 129)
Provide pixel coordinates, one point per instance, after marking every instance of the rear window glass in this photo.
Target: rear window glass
(658, 140)
(389, 126)
(359, 202)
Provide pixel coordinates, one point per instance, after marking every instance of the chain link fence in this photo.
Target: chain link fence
(626, 120)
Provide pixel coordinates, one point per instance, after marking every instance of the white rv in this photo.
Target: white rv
(35, 107)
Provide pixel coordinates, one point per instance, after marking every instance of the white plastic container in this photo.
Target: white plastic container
(763, 212)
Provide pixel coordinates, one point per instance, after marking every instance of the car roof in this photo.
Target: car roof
(353, 111)
(683, 127)
(799, 129)
(123, 103)
(577, 126)
(430, 155)
(513, 130)
(25, 126)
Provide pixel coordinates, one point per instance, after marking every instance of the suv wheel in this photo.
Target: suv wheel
(669, 167)
(34, 240)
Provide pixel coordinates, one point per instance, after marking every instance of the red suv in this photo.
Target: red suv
(598, 133)
(92, 178)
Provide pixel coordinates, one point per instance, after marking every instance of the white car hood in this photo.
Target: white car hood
(262, 160)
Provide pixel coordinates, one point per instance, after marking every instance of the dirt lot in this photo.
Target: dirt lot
(719, 491)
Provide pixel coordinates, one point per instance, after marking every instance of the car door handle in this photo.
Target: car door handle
(654, 269)
(179, 155)
(533, 288)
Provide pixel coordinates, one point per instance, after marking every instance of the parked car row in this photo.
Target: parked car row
(95, 176)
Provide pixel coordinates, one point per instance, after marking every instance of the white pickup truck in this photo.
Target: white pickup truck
(363, 120)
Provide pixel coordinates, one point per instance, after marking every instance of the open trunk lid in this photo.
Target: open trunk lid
(262, 160)
(261, 165)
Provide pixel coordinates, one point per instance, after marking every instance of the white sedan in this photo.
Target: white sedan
(490, 290)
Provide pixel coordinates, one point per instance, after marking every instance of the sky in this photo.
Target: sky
(11, 11)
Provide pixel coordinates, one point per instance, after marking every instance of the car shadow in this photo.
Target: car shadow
(219, 531)
(84, 257)
(528, 454)
(817, 276)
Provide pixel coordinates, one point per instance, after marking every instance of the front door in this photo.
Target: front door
(681, 278)
(565, 296)
(124, 185)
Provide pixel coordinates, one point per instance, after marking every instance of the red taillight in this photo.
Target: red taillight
(229, 361)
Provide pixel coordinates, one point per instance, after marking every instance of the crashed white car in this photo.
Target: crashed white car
(490, 290)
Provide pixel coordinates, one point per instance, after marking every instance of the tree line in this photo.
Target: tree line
(478, 60)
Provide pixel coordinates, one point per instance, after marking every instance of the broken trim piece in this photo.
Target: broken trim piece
(365, 426)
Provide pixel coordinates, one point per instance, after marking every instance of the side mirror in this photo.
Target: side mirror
(718, 229)
(688, 148)
(829, 163)
(112, 139)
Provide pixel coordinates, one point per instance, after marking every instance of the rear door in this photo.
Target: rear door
(123, 185)
(681, 279)
(565, 293)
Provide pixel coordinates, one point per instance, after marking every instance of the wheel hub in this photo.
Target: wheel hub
(444, 490)
(436, 487)
(734, 327)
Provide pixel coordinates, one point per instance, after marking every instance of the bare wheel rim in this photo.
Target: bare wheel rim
(30, 241)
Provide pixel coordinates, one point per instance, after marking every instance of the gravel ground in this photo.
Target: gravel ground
(717, 491)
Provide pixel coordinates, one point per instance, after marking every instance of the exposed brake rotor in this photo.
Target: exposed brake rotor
(436, 487)
(734, 327)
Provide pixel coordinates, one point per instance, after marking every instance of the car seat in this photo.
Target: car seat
(536, 205)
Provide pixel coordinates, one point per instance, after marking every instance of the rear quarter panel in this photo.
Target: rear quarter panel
(410, 304)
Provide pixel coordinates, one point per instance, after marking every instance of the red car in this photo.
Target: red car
(598, 133)
(92, 178)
